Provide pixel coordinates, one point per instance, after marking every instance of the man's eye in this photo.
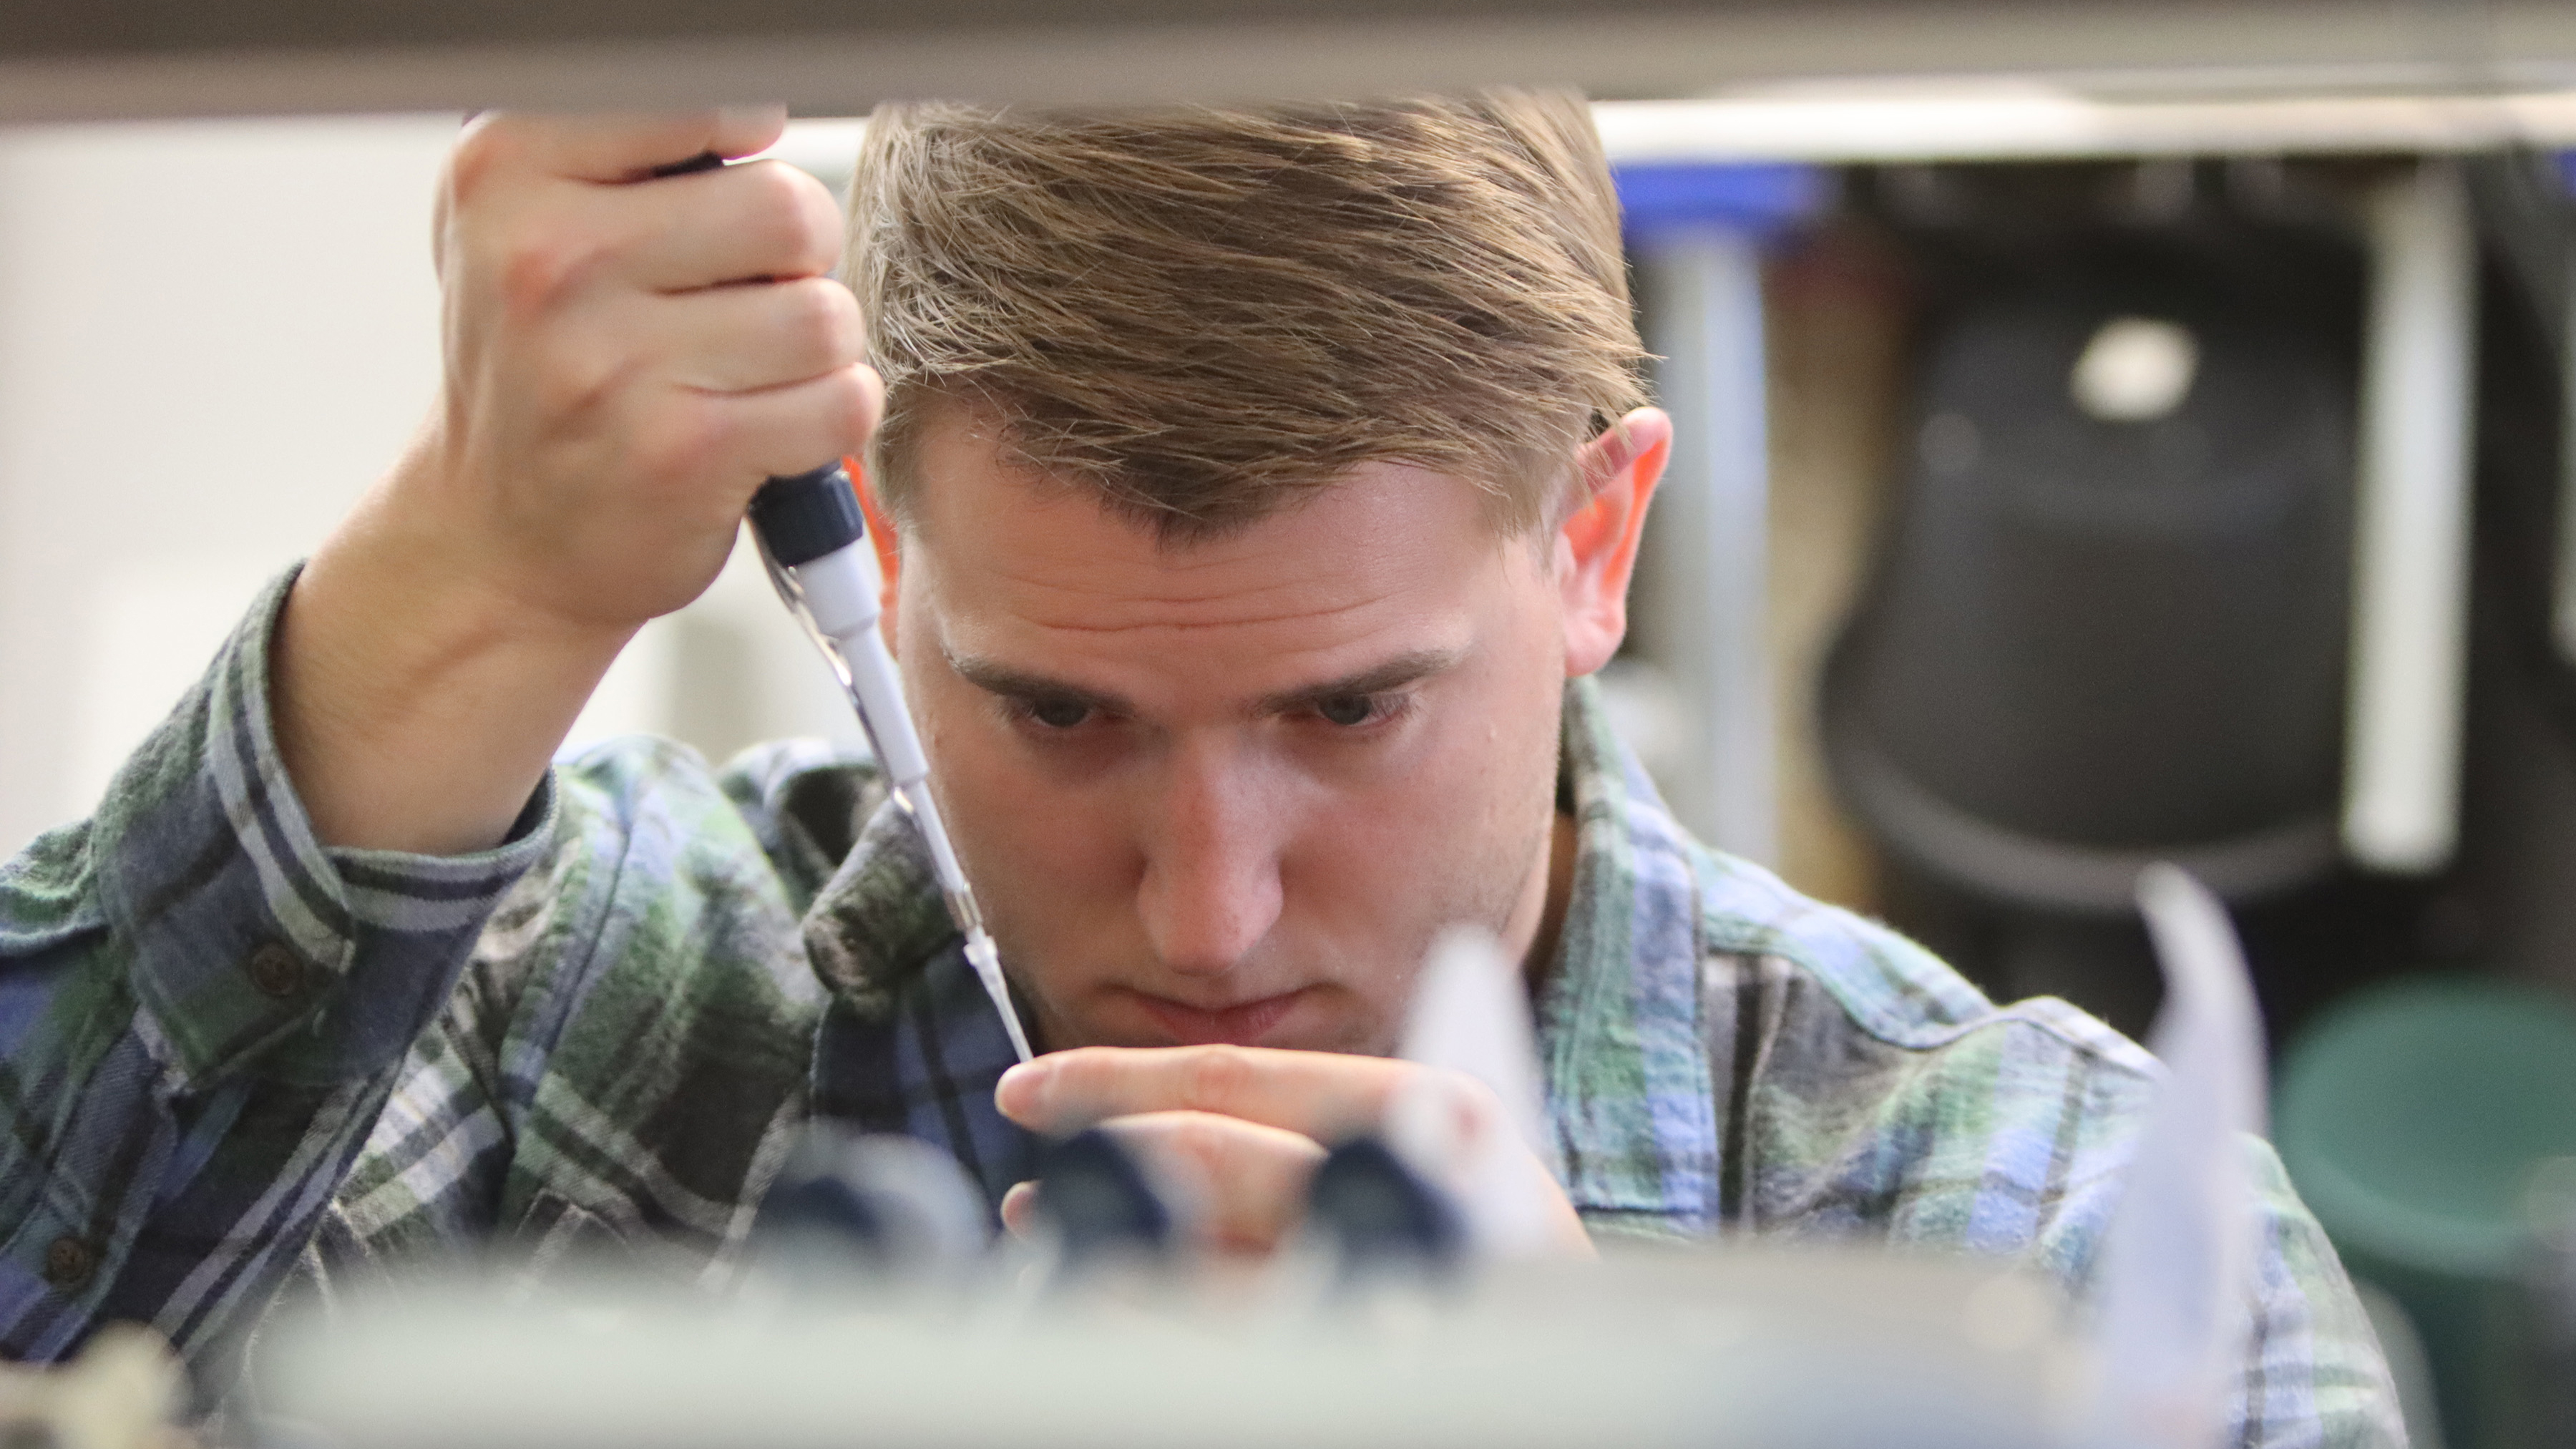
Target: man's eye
(1349, 710)
(1059, 714)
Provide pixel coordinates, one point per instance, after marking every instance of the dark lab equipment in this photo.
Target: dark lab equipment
(876, 1203)
(1380, 1214)
(1098, 1201)
(2106, 632)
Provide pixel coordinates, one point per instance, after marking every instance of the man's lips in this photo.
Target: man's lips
(1241, 1025)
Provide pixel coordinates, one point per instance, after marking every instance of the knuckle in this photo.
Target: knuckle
(849, 324)
(684, 439)
(863, 398)
(823, 318)
(769, 212)
(545, 263)
(573, 394)
(1214, 1077)
(486, 148)
(1202, 1137)
(854, 411)
(824, 230)
(1470, 1088)
(1210, 1152)
(802, 235)
(1082, 1076)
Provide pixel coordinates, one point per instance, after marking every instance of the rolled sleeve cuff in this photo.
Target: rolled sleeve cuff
(246, 931)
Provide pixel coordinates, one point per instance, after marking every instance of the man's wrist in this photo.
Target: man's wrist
(416, 703)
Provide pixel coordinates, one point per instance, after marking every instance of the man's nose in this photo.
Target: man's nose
(1211, 885)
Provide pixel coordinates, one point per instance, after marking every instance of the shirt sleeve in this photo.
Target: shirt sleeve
(2313, 1375)
(202, 1009)
(2314, 1371)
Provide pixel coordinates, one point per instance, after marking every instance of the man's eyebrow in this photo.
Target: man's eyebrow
(1395, 673)
(1023, 684)
(1403, 669)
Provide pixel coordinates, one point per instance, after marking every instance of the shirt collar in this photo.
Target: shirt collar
(1622, 1045)
(880, 919)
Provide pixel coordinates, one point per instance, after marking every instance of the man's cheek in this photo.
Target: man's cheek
(1049, 884)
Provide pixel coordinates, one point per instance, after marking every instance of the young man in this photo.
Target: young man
(1267, 483)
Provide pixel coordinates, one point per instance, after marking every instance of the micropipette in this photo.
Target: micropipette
(814, 541)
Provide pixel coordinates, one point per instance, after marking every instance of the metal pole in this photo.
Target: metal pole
(1714, 512)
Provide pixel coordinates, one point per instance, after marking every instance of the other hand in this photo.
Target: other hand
(1242, 1129)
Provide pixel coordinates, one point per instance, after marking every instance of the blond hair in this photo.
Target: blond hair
(1206, 314)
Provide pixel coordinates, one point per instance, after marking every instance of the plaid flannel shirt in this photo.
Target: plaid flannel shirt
(232, 1058)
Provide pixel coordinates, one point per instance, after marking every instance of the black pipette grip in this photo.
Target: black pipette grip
(805, 516)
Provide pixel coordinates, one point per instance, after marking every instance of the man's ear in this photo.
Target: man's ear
(881, 537)
(1596, 545)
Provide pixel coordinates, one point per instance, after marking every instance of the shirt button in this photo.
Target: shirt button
(276, 971)
(69, 1262)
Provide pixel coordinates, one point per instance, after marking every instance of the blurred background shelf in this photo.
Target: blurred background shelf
(128, 58)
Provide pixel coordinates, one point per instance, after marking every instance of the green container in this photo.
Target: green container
(2411, 1117)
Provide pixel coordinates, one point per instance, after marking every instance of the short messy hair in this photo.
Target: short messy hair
(1205, 314)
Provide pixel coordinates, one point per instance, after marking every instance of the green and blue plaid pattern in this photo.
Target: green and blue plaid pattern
(235, 1064)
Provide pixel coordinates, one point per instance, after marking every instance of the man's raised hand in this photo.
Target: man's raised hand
(627, 356)
(630, 355)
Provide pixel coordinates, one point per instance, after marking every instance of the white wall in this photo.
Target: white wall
(213, 338)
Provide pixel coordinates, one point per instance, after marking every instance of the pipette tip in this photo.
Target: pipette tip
(987, 961)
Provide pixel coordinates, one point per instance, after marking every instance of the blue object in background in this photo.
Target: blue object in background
(1752, 196)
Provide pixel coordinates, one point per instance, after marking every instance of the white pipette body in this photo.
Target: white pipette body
(836, 595)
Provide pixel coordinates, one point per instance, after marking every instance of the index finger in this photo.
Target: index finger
(627, 147)
(1322, 1095)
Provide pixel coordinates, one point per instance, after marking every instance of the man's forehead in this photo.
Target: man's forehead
(992, 534)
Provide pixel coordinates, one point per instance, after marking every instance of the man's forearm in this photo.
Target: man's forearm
(204, 1010)
(417, 707)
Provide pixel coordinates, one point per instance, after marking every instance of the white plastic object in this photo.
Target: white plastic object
(1470, 1016)
(2177, 1267)
(2410, 593)
(2135, 370)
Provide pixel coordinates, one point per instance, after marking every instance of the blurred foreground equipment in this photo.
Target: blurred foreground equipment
(122, 1392)
(1412, 1312)
(1655, 1348)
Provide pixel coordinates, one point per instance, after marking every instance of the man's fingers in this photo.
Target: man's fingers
(687, 451)
(761, 219)
(681, 234)
(796, 428)
(1320, 1095)
(760, 335)
(1020, 1209)
(1239, 1186)
(611, 148)
(1248, 1181)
